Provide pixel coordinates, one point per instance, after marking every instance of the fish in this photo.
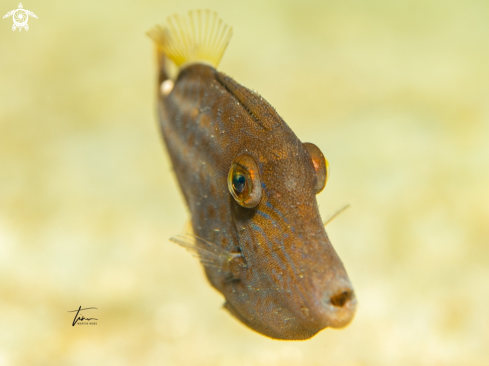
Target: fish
(250, 185)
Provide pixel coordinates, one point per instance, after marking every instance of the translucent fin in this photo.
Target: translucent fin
(336, 214)
(209, 254)
(201, 37)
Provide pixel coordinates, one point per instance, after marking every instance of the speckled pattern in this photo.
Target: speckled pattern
(282, 284)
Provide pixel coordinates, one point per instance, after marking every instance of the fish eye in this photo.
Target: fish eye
(239, 183)
(321, 165)
(244, 181)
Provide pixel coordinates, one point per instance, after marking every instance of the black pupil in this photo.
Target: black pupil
(239, 182)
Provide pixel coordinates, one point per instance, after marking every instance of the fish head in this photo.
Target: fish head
(292, 283)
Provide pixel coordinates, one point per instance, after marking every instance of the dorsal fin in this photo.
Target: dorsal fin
(200, 37)
(258, 107)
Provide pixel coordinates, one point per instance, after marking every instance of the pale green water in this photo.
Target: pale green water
(396, 94)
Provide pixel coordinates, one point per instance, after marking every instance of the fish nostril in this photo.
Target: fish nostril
(339, 300)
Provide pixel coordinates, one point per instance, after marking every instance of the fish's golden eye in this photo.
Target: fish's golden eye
(244, 181)
(320, 164)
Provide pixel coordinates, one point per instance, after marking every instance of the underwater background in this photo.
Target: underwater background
(395, 94)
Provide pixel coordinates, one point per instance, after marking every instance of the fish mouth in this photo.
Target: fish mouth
(339, 305)
(316, 293)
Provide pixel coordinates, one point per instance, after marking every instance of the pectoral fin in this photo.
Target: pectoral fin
(209, 254)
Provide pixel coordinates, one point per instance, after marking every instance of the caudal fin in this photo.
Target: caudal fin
(200, 37)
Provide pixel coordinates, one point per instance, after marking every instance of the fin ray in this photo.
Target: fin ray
(209, 254)
(201, 37)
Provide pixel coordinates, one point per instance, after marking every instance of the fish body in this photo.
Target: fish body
(270, 258)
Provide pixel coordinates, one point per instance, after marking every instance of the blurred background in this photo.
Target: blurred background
(395, 93)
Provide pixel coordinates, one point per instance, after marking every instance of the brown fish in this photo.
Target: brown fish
(251, 186)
